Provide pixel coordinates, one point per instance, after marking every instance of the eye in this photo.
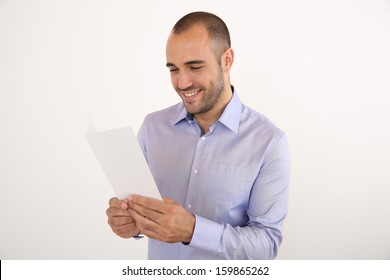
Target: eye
(196, 67)
(173, 70)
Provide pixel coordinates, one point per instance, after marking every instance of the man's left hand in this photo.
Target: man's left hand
(165, 220)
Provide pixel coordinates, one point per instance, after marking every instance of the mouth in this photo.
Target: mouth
(191, 95)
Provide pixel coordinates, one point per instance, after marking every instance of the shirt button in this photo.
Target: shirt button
(189, 206)
(203, 138)
(196, 171)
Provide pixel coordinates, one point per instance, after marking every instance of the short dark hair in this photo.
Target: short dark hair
(215, 26)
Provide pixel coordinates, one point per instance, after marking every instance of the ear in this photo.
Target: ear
(227, 60)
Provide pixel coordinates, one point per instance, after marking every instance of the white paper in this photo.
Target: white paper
(120, 156)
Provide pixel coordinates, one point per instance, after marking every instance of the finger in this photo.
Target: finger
(125, 231)
(148, 233)
(145, 212)
(148, 227)
(117, 212)
(120, 221)
(115, 202)
(146, 202)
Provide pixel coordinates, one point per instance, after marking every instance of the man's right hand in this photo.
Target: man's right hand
(119, 219)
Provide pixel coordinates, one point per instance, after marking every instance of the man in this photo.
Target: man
(222, 168)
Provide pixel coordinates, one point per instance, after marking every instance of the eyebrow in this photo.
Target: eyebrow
(191, 62)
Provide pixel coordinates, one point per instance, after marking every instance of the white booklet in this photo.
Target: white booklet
(120, 156)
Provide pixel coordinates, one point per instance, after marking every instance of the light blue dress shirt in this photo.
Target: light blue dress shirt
(234, 179)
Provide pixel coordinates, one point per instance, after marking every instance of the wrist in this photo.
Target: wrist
(191, 228)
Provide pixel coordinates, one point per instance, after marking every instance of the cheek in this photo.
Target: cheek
(201, 79)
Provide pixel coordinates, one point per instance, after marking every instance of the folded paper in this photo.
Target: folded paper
(121, 158)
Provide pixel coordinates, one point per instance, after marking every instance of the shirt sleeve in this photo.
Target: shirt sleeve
(267, 209)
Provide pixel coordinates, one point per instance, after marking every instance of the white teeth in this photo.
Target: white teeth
(189, 94)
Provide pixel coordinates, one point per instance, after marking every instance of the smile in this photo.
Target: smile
(192, 93)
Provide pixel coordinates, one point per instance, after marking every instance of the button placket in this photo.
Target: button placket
(194, 177)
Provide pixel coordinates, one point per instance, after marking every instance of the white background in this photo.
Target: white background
(319, 69)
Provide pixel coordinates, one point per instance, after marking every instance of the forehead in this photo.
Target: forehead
(191, 44)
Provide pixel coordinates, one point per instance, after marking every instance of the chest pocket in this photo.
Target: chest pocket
(228, 186)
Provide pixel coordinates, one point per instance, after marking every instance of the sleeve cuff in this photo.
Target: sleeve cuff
(207, 234)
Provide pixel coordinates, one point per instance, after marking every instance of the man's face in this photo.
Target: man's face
(195, 73)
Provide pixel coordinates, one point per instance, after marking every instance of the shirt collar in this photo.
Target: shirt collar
(230, 117)
(182, 115)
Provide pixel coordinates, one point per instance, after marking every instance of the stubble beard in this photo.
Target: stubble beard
(211, 96)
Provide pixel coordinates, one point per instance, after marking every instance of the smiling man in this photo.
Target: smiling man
(222, 168)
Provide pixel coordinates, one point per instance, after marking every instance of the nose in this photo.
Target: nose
(184, 81)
